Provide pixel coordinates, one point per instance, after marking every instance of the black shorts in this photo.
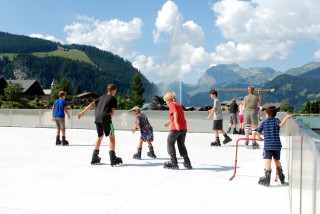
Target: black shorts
(268, 154)
(105, 127)
(217, 124)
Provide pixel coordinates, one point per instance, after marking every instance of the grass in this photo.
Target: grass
(66, 53)
(60, 52)
(10, 55)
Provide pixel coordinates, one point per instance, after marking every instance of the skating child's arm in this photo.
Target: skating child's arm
(136, 127)
(259, 131)
(167, 123)
(90, 106)
(175, 118)
(112, 112)
(283, 122)
(211, 111)
(52, 113)
(66, 111)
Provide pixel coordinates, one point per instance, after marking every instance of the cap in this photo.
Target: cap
(136, 108)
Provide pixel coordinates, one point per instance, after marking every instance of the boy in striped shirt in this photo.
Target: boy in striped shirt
(272, 144)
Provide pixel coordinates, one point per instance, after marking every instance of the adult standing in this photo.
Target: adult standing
(251, 103)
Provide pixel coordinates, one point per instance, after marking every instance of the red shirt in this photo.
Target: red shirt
(176, 107)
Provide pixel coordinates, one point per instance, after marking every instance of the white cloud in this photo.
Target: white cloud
(264, 30)
(144, 63)
(47, 37)
(184, 41)
(317, 54)
(112, 35)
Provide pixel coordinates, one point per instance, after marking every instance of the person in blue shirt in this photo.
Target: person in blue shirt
(272, 144)
(59, 109)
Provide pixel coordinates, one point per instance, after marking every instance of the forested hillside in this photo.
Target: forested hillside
(38, 59)
(10, 43)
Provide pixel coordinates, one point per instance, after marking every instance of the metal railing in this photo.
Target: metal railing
(123, 120)
(303, 167)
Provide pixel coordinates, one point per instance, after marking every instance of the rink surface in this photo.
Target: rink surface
(38, 177)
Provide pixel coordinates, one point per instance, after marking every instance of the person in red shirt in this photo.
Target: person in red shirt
(178, 132)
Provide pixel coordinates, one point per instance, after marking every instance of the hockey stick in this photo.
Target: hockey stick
(236, 159)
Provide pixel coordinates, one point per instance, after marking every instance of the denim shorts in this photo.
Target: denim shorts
(268, 154)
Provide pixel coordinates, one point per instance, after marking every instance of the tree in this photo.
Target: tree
(312, 107)
(13, 92)
(136, 91)
(54, 91)
(78, 89)
(285, 106)
(64, 86)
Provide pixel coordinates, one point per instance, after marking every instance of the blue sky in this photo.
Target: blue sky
(165, 39)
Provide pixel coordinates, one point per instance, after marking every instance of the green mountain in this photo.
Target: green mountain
(22, 57)
(303, 69)
(298, 89)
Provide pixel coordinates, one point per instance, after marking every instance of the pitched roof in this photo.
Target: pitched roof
(29, 85)
(26, 84)
(87, 95)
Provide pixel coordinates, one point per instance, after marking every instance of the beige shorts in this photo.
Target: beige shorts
(60, 122)
(250, 117)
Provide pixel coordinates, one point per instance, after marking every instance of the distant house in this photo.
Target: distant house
(31, 89)
(87, 97)
(277, 105)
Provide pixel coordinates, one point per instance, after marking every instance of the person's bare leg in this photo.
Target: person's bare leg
(278, 163)
(254, 133)
(247, 131)
(112, 142)
(268, 164)
(98, 143)
(216, 134)
(222, 132)
(141, 142)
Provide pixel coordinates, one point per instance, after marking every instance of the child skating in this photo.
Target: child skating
(217, 120)
(233, 109)
(241, 116)
(59, 110)
(142, 123)
(178, 132)
(272, 144)
(105, 107)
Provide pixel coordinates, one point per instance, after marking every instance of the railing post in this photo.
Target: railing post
(39, 118)
(71, 119)
(10, 124)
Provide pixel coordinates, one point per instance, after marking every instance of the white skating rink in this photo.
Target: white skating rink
(38, 177)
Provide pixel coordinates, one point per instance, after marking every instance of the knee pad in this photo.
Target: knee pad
(248, 128)
(254, 130)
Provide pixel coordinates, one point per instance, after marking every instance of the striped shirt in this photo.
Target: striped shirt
(271, 132)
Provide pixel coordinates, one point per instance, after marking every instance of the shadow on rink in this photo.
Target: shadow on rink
(216, 168)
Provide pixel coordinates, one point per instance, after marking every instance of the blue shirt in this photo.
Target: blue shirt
(271, 132)
(59, 106)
